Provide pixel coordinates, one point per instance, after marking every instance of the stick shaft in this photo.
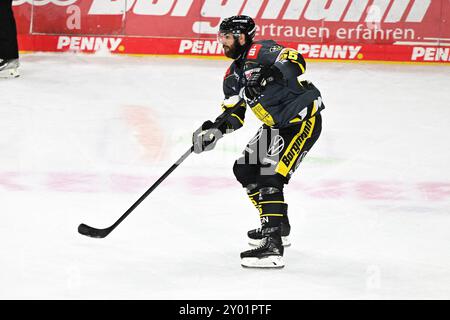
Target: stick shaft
(153, 187)
(101, 233)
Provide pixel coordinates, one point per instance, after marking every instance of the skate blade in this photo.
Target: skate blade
(273, 262)
(9, 73)
(257, 242)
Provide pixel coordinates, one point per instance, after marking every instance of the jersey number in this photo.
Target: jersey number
(293, 55)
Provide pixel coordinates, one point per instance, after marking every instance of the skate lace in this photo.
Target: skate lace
(261, 244)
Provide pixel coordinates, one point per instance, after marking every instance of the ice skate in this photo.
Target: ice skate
(255, 236)
(269, 254)
(9, 68)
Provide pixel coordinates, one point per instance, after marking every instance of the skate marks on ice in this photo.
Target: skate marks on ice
(369, 190)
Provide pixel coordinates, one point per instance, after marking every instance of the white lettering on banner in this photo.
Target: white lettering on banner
(73, 22)
(329, 51)
(141, 7)
(274, 30)
(200, 46)
(181, 8)
(294, 10)
(377, 33)
(252, 8)
(376, 11)
(356, 10)
(88, 43)
(221, 9)
(430, 54)
(273, 9)
(397, 10)
(318, 10)
(150, 8)
(110, 7)
(39, 3)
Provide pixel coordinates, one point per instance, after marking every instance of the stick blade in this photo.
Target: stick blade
(88, 231)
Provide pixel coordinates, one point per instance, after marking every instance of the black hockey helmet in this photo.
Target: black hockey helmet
(239, 25)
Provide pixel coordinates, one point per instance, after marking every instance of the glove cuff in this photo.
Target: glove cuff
(208, 124)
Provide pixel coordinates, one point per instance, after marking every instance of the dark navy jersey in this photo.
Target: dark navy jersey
(281, 103)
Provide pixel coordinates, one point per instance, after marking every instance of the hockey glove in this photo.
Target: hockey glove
(206, 137)
(259, 78)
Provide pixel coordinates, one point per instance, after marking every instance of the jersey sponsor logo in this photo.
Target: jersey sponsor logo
(276, 146)
(275, 48)
(254, 51)
(88, 43)
(295, 148)
(248, 73)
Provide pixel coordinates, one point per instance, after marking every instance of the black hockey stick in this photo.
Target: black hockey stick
(101, 233)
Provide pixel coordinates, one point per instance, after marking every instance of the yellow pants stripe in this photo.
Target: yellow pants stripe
(272, 215)
(264, 202)
(295, 147)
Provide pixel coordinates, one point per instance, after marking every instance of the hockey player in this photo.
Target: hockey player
(266, 75)
(9, 52)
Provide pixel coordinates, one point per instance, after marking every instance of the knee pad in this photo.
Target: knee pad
(273, 180)
(271, 194)
(244, 173)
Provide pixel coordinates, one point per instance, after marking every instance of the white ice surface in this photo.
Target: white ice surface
(83, 136)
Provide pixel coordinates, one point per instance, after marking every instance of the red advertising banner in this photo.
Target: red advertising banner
(380, 30)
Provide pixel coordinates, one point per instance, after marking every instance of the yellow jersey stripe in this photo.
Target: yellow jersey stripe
(314, 108)
(237, 117)
(300, 65)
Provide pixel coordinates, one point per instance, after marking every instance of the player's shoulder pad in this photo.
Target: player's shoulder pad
(264, 51)
(230, 71)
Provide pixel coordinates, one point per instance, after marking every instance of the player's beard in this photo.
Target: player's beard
(235, 51)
